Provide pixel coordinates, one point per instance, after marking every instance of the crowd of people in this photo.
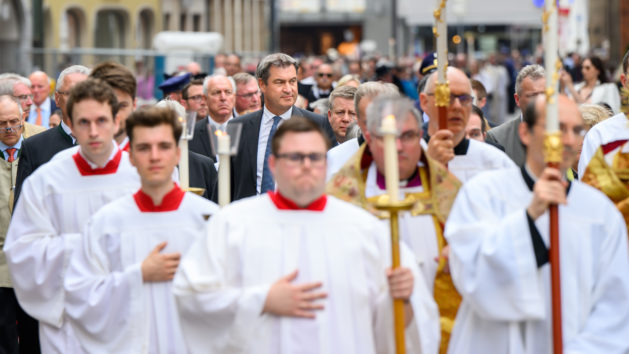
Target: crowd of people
(104, 252)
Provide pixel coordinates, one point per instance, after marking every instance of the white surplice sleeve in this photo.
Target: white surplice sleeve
(103, 301)
(216, 315)
(606, 328)
(492, 259)
(38, 255)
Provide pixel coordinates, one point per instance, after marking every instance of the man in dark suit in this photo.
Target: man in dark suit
(529, 84)
(220, 94)
(39, 149)
(322, 88)
(277, 78)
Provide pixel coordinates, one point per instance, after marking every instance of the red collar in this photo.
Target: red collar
(170, 202)
(125, 146)
(86, 170)
(282, 203)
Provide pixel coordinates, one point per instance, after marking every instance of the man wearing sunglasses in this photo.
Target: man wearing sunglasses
(324, 78)
(465, 158)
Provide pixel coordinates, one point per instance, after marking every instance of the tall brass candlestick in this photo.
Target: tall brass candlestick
(391, 203)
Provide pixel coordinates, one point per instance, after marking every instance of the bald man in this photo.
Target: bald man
(43, 106)
(465, 158)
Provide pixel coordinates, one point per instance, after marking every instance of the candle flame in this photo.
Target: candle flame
(220, 133)
(180, 119)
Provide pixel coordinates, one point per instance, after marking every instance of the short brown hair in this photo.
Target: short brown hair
(117, 76)
(478, 86)
(92, 89)
(152, 117)
(195, 82)
(296, 125)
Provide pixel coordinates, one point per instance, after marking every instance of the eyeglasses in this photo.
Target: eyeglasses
(195, 98)
(325, 74)
(465, 99)
(24, 97)
(249, 95)
(14, 129)
(406, 138)
(577, 130)
(63, 93)
(297, 158)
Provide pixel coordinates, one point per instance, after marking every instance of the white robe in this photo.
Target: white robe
(417, 232)
(607, 131)
(222, 283)
(506, 297)
(110, 308)
(479, 157)
(55, 203)
(339, 155)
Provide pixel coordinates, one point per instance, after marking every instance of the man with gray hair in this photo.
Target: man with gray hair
(247, 94)
(219, 91)
(12, 134)
(365, 93)
(277, 78)
(40, 148)
(361, 181)
(20, 88)
(530, 82)
(341, 111)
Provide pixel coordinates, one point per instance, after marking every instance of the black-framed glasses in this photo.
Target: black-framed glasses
(295, 158)
(196, 98)
(465, 99)
(14, 128)
(63, 93)
(325, 74)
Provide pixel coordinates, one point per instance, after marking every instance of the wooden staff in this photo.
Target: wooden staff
(553, 156)
(442, 90)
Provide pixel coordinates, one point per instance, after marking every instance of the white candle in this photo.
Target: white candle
(223, 169)
(184, 177)
(392, 175)
(551, 43)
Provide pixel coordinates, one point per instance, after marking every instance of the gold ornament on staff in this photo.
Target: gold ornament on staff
(390, 202)
(442, 90)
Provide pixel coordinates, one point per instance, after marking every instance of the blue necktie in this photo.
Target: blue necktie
(268, 184)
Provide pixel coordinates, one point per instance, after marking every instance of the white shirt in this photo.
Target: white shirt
(68, 131)
(265, 129)
(45, 113)
(610, 130)
(506, 296)
(222, 283)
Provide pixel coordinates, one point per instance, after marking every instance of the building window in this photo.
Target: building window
(196, 22)
(182, 22)
(166, 22)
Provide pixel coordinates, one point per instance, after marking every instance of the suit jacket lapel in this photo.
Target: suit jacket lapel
(205, 137)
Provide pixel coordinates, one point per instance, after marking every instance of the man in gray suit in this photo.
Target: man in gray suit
(530, 82)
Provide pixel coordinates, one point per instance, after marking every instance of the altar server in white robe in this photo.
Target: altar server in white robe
(365, 93)
(465, 158)
(296, 271)
(499, 233)
(118, 286)
(56, 202)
